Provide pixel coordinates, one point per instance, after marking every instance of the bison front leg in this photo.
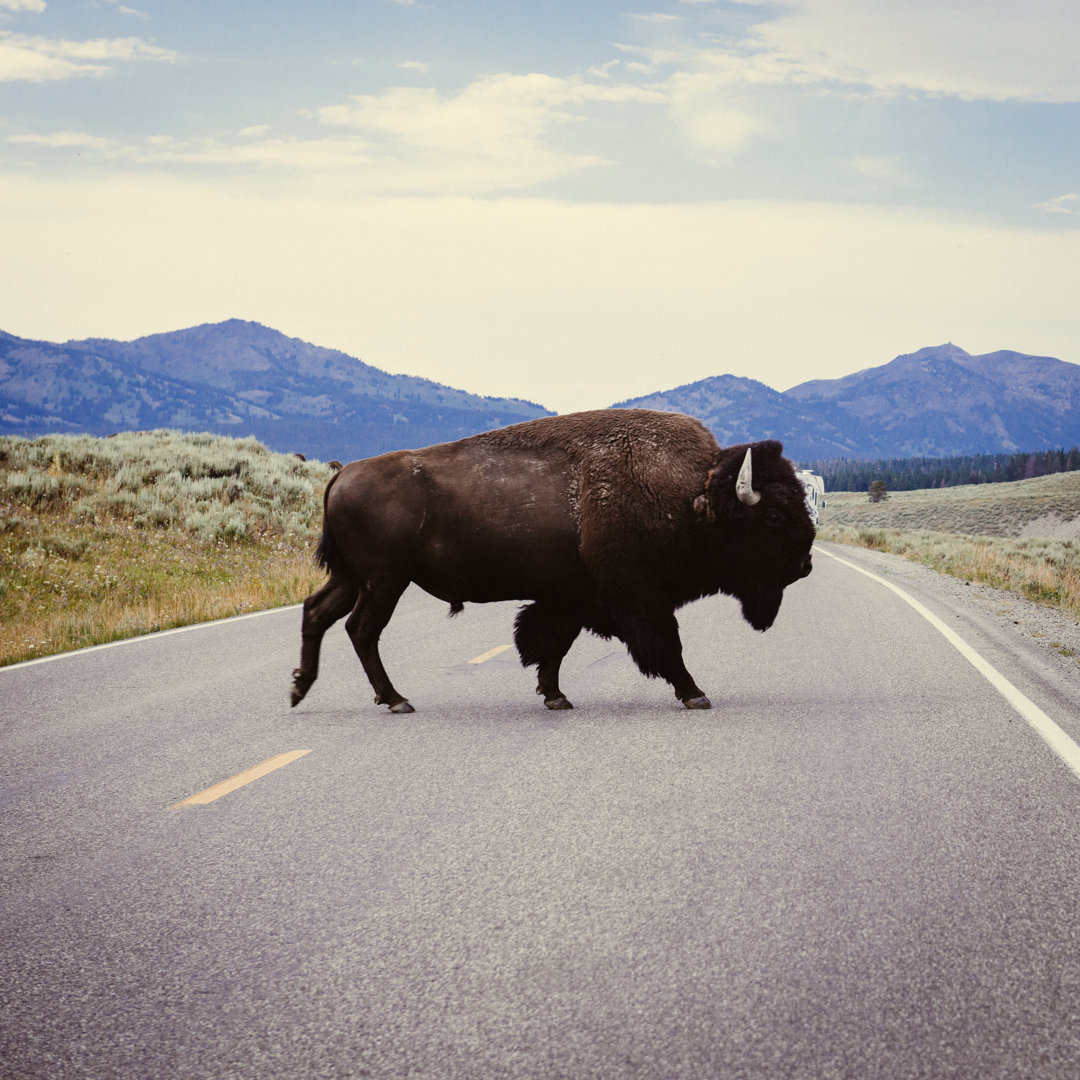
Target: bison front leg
(365, 625)
(543, 633)
(322, 609)
(652, 636)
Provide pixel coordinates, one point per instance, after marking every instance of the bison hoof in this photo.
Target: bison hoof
(698, 702)
(298, 690)
(402, 707)
(558, 703)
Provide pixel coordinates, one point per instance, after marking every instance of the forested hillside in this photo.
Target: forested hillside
(913, 474)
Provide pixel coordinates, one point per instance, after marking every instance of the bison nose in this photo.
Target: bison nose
(807, 566)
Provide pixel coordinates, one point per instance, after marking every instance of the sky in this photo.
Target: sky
(567, 202)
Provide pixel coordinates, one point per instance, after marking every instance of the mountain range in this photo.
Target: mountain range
(236, 378)
(937, 402)
(241, 378)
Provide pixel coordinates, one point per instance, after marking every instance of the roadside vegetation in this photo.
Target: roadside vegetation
(1022, 536)
(102, 539)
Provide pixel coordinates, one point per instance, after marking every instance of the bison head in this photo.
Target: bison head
(761, 531)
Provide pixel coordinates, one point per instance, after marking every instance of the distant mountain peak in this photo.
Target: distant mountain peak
(948, 351)
(711, 385)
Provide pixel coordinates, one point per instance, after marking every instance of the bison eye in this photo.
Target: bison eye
(774, 519)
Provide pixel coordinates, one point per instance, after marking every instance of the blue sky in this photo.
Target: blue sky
(572, 203)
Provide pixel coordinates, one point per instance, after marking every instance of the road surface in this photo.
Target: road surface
(862, 863)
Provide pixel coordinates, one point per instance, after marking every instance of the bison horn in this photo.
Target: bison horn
(744, 486)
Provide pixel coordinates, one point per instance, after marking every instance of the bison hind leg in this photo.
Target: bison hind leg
(322, 609)
(543, 633)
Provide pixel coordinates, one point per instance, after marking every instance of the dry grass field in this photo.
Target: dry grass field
(102, 539)
(1022, 536)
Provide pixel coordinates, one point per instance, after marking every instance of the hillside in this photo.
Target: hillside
(236, 378)
(1022, 537)
(1046, 507)
(102, 539)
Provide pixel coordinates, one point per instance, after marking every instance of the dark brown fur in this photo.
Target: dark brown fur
(608, 521)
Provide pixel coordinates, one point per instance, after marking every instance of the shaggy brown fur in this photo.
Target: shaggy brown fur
(608, 520)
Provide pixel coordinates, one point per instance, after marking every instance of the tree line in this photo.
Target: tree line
(911, 474)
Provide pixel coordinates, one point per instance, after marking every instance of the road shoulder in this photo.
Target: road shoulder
(1034, 646)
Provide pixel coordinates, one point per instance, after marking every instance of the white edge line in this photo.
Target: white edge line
(146, 637)
(1056, 739)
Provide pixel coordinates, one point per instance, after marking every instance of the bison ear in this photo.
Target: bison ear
(735, 486)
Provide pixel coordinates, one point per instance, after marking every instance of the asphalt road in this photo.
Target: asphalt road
(862, 863)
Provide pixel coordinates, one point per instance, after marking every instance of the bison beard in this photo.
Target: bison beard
(606, 521)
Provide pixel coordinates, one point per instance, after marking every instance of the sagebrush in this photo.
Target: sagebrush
(105, 538)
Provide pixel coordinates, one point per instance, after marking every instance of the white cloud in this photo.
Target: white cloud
(880, 167)
(496, 134)
(1063, 204)
(703, 104)
(975, 49)
(22, 5)
(123, 9)
(487, 116)
(128, 48)
(314, 155)
(62, 139)
(995, 50)
(656, 18)
(27, 59)
(40, 59)
(492, 135)
(257, 149)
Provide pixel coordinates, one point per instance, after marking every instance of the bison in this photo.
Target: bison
(607, 521)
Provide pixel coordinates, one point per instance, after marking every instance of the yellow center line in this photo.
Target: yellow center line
(489, 654)
(215, 792)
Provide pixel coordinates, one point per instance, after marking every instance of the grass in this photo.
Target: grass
(1023, 536)
(102, 539)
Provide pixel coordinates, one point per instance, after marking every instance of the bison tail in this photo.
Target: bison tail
(327, 553)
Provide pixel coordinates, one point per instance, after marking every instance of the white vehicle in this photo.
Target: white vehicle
(814, 486)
